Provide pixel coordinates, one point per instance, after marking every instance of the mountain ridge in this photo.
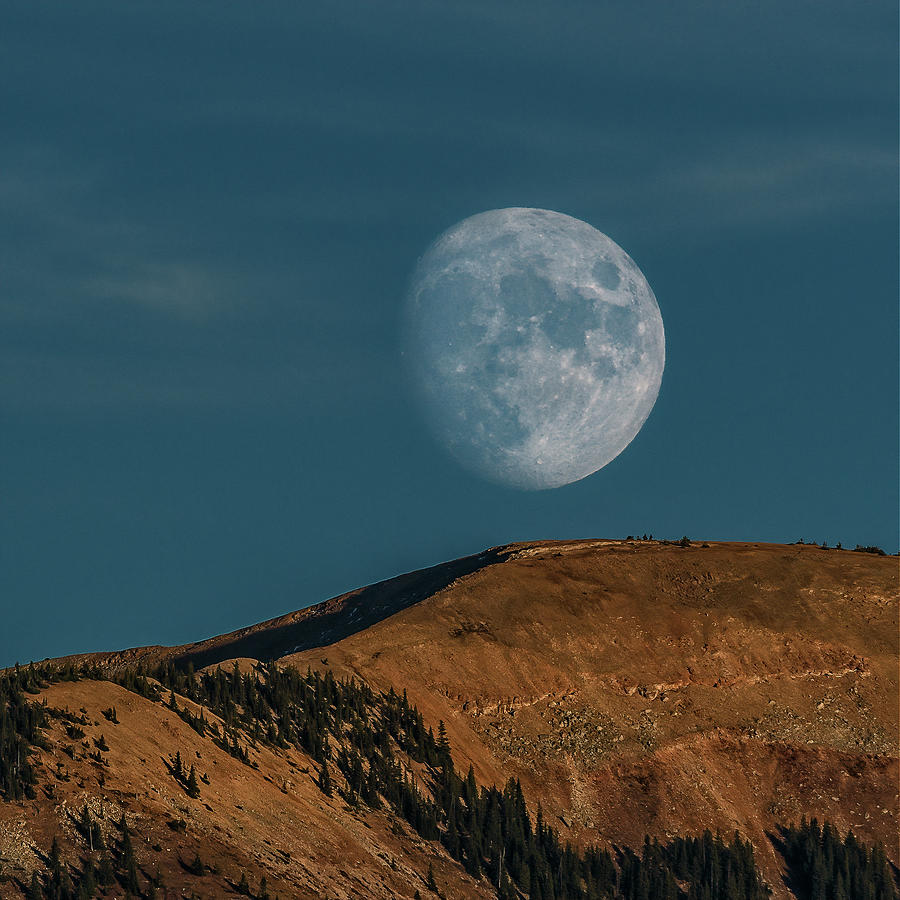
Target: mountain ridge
(631, 686)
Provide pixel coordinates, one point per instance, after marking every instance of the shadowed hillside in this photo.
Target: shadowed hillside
(315, 626)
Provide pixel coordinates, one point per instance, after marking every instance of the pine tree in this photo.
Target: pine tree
(443, 742)
(129, 865)
(55, 860)
(35, 891)
(88, 884)
(534, 885)
(191, 786)
(325, 780)
(84, 826)
(105, 873)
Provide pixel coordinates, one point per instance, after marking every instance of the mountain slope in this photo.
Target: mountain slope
(637, 687)
(632, 686)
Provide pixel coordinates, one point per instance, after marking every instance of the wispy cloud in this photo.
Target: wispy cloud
(103, 312)
(64, 246)
(189, 291)
(787, 181)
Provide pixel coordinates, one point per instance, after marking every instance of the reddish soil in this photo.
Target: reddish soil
(634, 687)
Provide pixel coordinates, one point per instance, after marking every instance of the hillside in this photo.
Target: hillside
(632, 687)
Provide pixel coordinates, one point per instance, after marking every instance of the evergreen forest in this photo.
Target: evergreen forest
(375, 751)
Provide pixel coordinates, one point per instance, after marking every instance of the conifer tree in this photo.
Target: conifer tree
(129, 864)
(87, 885)
(325, 780)
(191, 786)
(105, 873)
(35, 891)
(55, 857)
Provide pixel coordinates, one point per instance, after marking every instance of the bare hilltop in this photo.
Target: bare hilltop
(629, 688)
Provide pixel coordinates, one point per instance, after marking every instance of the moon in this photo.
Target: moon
(535, 346)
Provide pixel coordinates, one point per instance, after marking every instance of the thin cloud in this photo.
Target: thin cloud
(186, 290)
(785, 182)
(63, 247)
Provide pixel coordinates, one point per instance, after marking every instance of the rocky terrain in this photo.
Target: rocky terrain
(632, 686)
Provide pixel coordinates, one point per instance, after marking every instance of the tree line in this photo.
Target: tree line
(374, 750)
(823, 866)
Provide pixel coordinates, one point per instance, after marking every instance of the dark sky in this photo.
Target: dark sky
(208, 216)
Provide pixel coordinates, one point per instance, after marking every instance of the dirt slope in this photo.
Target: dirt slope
(633, 686)
(640, 687)
(273, 821)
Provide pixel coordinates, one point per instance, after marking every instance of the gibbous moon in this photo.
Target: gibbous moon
(535, 344)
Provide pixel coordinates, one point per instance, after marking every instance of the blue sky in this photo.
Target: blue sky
(208, 217)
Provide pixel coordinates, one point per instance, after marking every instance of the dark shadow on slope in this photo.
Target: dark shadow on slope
(338, 618)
